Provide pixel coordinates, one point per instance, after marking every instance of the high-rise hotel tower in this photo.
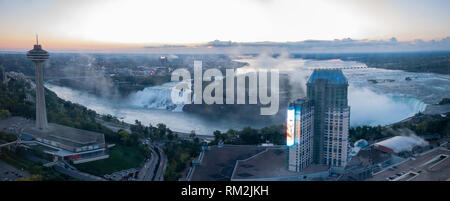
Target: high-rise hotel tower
(300, 132)
(327, 88)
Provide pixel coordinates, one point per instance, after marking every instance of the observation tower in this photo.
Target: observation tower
(38, 56)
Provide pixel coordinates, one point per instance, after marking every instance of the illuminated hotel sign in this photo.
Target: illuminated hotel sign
(290, 127)
(297, 125)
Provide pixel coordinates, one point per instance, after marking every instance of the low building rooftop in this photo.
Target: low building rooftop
(367, 157)
(71, 139)
(402, 143)
(218, 162)
(433, 165)
(67, 135)
(270, 164)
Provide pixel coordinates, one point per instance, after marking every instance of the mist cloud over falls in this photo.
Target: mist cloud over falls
(84, 75)
(295, 69)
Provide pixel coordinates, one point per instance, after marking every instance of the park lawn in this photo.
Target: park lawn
(120, 157)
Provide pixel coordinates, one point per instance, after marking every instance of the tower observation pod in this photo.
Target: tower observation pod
(38, 56)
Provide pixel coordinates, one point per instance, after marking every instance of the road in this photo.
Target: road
(68, 78)
(148, 170)
(157, 163)
(143, 172)
(186, 136)
(11, 173)
(114, 127)
(159, 176)
(77, 174)
(8, 144)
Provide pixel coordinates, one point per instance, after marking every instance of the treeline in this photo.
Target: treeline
(16, 62)
(179, 154)
(160, 132)
(129, 84)
(428, 124)
(13, 99)
(251, 136)
(444, 101)
(420, 124)
(369, 133)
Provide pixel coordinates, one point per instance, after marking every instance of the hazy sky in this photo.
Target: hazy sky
(85, 23)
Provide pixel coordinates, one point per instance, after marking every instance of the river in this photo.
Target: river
(388, 98)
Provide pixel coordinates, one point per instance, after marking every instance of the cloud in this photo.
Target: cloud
(346, 45)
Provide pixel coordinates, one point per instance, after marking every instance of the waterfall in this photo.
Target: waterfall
(156, 97)
(371, 108)
(414, 104)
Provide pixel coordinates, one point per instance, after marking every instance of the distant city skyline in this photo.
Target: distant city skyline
(124, 25)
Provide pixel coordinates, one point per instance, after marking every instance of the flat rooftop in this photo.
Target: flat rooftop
(368, 156)
(68, 136)
(218, 162)
(432, 165)
(270, 163)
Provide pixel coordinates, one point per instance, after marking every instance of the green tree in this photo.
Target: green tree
(4, 113)
(192, 134)
(124, 136)
(249, 135)
(217, 135)
(161, 130)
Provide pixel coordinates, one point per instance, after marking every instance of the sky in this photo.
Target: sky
(72, 24)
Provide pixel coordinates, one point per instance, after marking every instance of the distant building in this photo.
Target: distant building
(164, 61)
(328, 88)
(3, 75)
(300, 132)
(5, 78)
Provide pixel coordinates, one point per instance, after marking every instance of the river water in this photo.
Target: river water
(388, 98)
